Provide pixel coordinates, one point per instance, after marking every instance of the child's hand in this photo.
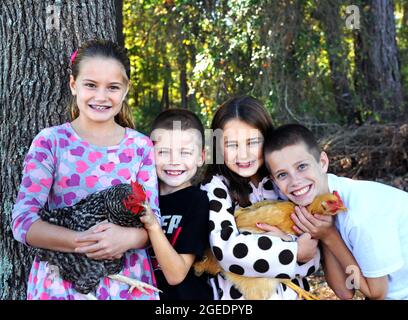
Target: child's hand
(307, 248)
(149, 220)
(274, 231)
(319, 226)
(104, 241)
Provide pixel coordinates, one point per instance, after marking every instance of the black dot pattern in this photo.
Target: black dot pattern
(240, 250)
(226, 233)
(215, 205)
(226, 224)
(217, 253)
(211, 225)
(220, 193)
(296, 281)
(306, 285)
(311, 270)
(243, 253)
(220, 293)
(261, 265)
(264, 243)
(234, 293)
(268, 185)
(237, 269)
(286, 257)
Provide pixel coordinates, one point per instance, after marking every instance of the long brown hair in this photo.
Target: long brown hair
(104, 49)
(252, 112)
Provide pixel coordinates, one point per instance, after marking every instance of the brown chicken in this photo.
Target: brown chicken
(276, 213)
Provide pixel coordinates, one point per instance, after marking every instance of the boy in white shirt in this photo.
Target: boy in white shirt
(367, 246)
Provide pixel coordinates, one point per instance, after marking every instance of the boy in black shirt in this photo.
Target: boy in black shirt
(178, 137)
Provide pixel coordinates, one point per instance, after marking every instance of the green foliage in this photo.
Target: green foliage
(275, 50)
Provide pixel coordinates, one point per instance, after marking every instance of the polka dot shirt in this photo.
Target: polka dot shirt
(251, 255)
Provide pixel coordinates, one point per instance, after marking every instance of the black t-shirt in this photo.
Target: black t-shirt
(185, 223)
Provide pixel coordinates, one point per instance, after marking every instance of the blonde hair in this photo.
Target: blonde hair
(104, 49)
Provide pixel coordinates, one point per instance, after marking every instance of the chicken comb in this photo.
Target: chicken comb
(338, 198)
(134, 202)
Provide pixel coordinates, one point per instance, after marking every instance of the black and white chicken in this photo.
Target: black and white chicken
(122, 204)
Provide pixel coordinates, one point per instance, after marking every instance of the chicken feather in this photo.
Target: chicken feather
(122, 204)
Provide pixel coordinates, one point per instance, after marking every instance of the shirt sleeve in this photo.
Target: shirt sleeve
(37, 179)
(194, 236)
(254, 255)
(147, 177)
(375, 256)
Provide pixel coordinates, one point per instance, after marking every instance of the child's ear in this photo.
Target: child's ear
(72, 84)
(201, 160)
(129, 85)
(324, 161)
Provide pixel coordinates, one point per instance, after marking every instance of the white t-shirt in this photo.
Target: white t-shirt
(375, 229)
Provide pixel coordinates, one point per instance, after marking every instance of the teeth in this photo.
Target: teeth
(301, 191)
(174, 172)
(243, 164)
(99, 107)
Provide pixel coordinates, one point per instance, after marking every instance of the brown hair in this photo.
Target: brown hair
(252, 112)
(187, 119)
(289, 135)
(104, 49)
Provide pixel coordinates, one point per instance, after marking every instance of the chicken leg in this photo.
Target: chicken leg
(133, 283)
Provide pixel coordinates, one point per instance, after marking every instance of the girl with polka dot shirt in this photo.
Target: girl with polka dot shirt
(239, 180)
(65, 163)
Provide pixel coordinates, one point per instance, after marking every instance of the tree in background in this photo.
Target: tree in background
(378, 75)
(300, 57)
(36, 41)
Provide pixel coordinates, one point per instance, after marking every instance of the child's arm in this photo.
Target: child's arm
(113, 240)
(42, 234)
(321, 227)
(335, 276)
(110, 241)
(175, 266)
(37, 180)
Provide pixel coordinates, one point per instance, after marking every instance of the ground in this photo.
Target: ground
(320, 288)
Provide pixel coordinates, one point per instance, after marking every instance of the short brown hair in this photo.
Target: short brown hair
(289, 135)
(188, 120)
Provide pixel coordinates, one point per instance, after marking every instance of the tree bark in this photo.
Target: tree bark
(119, 22)
(36, 40)
(327, 12)
(280, 30)
(377, 61)
(183, 79)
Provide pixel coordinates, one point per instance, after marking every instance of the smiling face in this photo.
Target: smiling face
(178, 154)
(298, 174)
(242, 148)
(100, 89)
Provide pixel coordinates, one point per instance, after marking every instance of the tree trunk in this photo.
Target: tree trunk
(183, 80)
(280, 30)
(36, 41)
(119, 22)
(327, 12)
(377, 61)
